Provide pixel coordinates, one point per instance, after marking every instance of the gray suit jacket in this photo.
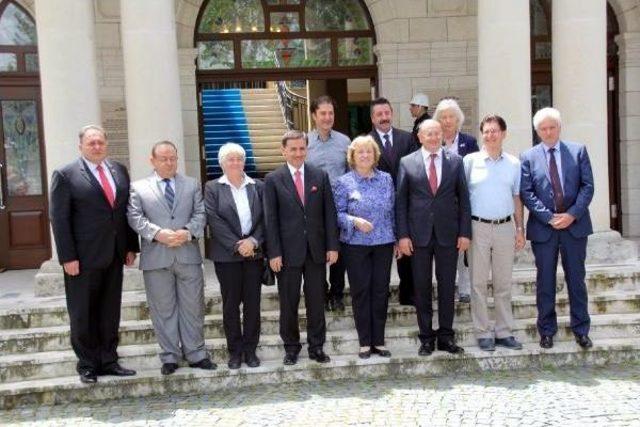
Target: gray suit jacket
(148, 212)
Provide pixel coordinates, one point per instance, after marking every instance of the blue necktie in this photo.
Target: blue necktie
(168, 192)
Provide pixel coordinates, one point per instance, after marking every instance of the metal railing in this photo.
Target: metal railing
(294, 107)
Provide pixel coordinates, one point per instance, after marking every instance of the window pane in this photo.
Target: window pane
(286, 53)
(16, 27)
(542, 50)
(229, 16)
(322, 15)
(22, 149)
(284, 22)
(215, 55)
(355, 51)
(8, 62)
(540, 25)
(31, 60)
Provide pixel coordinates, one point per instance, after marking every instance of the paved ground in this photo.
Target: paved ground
(568, 397)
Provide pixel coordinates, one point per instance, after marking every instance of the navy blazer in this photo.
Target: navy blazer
(467, 144)
(224, 221)
(537, 193)
(293, 229)
(403, 144)
(420, 213)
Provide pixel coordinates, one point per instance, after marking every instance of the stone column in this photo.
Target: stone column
(68, 75)
(152, 80)
(629, 48)
(579, 58)
(504, 68)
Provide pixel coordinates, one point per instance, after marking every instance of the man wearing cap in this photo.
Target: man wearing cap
(418, 107)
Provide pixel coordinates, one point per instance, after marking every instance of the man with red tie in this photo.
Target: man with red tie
(302, 237)
(88, 206)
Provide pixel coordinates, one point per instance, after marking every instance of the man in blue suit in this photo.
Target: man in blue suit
(557, 188)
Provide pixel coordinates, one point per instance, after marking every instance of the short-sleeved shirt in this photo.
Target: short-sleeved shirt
(330, 155)
(492, 184)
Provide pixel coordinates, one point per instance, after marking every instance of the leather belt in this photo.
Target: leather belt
(492, 221)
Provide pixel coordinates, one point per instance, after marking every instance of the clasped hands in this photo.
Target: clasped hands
(560, 221)
(172, 238)
(276, 263)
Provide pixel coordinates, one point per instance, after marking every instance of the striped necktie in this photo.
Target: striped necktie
(169, 195)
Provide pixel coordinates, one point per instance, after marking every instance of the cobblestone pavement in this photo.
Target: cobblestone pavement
(567, 397)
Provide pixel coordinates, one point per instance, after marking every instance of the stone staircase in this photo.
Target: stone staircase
(37, 365)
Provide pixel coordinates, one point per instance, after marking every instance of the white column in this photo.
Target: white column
(152, 81)
(579, 58)
(68, 75)
(504, 68)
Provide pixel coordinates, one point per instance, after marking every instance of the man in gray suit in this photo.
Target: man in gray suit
(167, 210)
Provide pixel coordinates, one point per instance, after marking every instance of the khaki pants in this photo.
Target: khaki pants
(492, 251)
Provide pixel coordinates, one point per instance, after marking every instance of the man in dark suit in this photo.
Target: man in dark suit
(302, 237)
(88, 207)
(394, 144)
(433, 220)
(557, 188)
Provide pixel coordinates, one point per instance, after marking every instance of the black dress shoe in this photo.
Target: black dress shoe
(290, 359)
(118, 371)
(319, 356)
(205, 364)
(546, 341)
(464, 299)
(251, 359)
(168, 368)
(234, 362)
(88, 376)
(426, 349)
(584, 341)
(450, 347)
(364, 354)
(381, 352)
(486, 344)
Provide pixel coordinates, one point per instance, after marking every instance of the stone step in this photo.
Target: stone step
(141, 331)
(149, 382)
(50, 364)
(274, 133)
(52, 311)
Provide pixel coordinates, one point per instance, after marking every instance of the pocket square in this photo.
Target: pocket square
(314, 189)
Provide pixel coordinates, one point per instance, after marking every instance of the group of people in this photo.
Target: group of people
(430, 199)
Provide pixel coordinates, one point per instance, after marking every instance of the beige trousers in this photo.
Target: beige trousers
(492, 251)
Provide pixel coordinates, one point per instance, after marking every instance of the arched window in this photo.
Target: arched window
(284, 34)
(18, 40)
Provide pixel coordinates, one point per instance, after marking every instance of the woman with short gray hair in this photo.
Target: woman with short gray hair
(233, 205)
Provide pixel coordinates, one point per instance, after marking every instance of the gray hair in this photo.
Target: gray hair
(425, 123)
(546, 113)
(449, 104)
(87, 128)
(228, 149)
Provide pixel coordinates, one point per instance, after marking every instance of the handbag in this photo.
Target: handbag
(268, 276)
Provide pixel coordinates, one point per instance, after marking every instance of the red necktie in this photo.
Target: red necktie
(433, 175)
(558, 197)
(106, 187)
(299, 187)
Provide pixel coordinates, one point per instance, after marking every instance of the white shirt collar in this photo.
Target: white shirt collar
(426, 153)
(293, 170)
(160, 179)
(382, 134)
(93, 166)
(246, 180)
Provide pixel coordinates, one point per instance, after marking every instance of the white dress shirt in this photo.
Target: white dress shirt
(382, 134)
(163, 184)
(105, 167)
(426, 156)
(558, 157)
(241, 199)
(293, 170)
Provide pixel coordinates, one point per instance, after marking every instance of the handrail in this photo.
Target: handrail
(294, 107)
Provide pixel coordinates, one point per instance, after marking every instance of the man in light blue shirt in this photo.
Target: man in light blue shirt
(327, 150)
(493, 178)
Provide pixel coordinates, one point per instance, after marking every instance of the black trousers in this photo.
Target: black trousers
(335, 287)
(289, 280)
(369, 270)
(405, 291)
(93, 302)
(240, 284)
(446, 258)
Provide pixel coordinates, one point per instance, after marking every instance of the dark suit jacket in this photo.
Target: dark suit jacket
(224, 222)
(85, 227)
(467, 144)
(403, 144)
(420, 213)
(291, 228)
(537, 193)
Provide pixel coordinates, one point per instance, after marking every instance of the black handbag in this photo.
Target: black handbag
(268, 276)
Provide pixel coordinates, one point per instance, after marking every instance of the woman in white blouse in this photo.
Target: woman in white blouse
(233, 204)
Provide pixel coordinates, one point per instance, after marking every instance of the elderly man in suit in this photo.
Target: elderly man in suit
(88, 207)
(302, 237)
(433, 220)
(450, 116)
(557, 187)
(394, 144)
(167, 210)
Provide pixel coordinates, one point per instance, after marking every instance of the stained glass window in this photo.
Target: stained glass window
(16, 27)
(232, 16)
(323, 15)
